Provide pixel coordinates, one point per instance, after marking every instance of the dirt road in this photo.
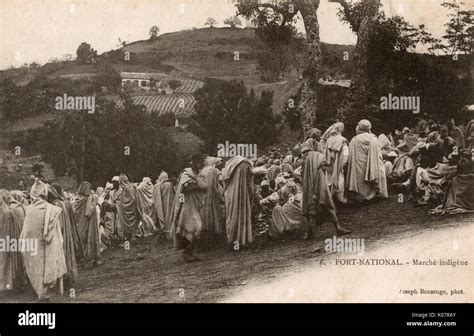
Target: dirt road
(288, 271)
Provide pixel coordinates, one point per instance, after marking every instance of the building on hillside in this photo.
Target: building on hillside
(162, 94)
(147, 81)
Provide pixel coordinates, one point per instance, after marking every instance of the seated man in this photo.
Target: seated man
(264, 190)
(409, 141)
(459, 196)
(447, 143)
(423, 187)
(287, 217)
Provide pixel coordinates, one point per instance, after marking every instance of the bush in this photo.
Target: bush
(225, 111)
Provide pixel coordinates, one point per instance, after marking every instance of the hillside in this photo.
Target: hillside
(185, 55)
(197, 53)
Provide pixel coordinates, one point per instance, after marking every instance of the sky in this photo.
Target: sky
(38, 30)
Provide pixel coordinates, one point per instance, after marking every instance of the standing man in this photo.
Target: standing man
(317, 199)
(239, 190)
(127, 209)
(187, 221)
(366, 177)
(85, 215)
(47, 265)
(12, 215)
(163, 197)
(214, 206)
(112, 211)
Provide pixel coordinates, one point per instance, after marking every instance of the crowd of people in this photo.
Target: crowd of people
(233, 201)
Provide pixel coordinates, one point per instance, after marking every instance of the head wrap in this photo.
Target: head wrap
(212, 161)
(4, 196)
(280, 179)
(288, 159)
(334, 129)
(123, 179)
(146, 182)
(364, 126)
(19, 196)
(84, 189)
(314, 133)
(38, 189)
(163, 177)
(53, 192)
(288, 189)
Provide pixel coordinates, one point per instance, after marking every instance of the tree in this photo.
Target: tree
(154, 30)
(284, 14)
(459, 33)
(107, 76)
(277, 49)
(459, 29)
(210, 22)
(362, 17)
(121, 44)
(225, 111)
(86, 54)
(174, 84)
(94, 147)
(233, 21)
(387, 62)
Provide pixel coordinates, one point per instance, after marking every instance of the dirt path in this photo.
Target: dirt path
(346, 277)
(152, 272)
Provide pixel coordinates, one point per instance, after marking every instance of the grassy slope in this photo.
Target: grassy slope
(197, 53)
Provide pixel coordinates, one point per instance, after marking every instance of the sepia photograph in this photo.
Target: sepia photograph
(237, 151)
